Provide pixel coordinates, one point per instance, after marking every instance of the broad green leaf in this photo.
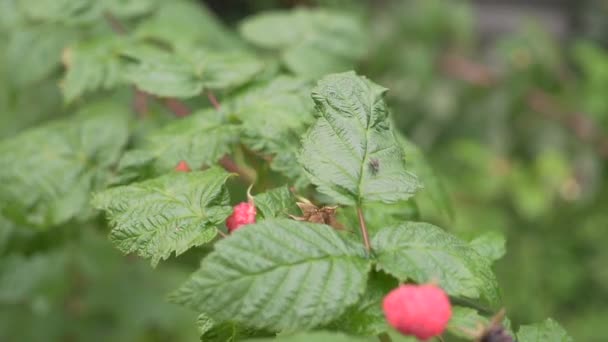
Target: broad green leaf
(279, 274)
(161, 73)
(200, 139)
(379, 215)
(490, 245)
(33, 52)
(350, 153)
(167, 214)
(433, 190)
(92, 65)
(276, 203)
(547, 331)
(274, 115)
(61, 11)
(49, 172)
(186, 23)
(423, 253)
(312, 42)
(212, 331)
(187, 71)
(366, 318)
(318, 336)
(465, 320)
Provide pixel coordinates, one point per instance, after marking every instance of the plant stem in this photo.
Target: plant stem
(214, 102)
(368, 247)
(177, 107)
(231, 166)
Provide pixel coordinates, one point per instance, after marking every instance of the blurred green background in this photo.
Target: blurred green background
(508, 100)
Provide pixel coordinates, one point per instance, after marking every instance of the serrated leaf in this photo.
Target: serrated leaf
(366, 318)
(312, 42)
(274, 115)
(318, 336)
(92, 65)
(171, 213)
(199, 139)
(212, 331)
(490, 245)
(350, 153)
(423, 253)
(187, 71)
(465, 320)
(49, 172)
(276, 203)
(278, 274)
(547, 331)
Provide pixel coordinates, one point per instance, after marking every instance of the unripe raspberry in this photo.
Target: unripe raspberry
(419, 310)
(244, 213)
(182, 166)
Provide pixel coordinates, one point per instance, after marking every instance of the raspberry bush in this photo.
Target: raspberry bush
(170, 116)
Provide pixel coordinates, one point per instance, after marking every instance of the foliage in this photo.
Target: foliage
(469, 172)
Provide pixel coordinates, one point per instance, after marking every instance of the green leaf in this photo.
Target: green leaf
(92, 65)
(490, 245)
(33, 52)
(366, 318)
(313, 336)
(61, 11)
(186, 23)
(312, 42)
(167, 214)
(276, 203)
(200, 139)
(129, 8)
(187, 71)
(434, 190)
(274, 116)
(278, 274)
(350, 152)
(423, 253)
(212, 331)
(465, 320)
(379, 215)
(49, 172)
(547, 331)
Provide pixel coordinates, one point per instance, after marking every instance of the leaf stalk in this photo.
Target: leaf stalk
(364, 233)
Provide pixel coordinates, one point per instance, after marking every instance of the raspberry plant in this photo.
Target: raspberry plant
(214, 111)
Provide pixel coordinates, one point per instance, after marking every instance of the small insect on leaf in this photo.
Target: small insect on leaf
(374, 166)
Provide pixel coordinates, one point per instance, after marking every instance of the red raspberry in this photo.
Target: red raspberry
(419, 310)
(244, 213)
(182, 166)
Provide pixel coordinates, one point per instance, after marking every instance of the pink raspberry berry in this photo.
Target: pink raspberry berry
(244, 213)
(182, 166)
(419, 310)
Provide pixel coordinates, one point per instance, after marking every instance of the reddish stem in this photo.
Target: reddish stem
(177, 107)
(214, 102)
(140, 103)
(364, 233)
(231, 166)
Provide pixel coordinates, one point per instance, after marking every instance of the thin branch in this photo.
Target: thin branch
(140, 103)
(214, 102)
(231, 166)
(364, 233)
(178, 108)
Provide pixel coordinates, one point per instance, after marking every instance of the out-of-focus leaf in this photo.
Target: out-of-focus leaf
(168, 214)
(92, 65)
(490, 245)
(313, 336)
(61, 11)
(312, 42)
(212, 331)
(547, 331)
(423, 253)
(260, 274)
(351, 153)
(48, 172)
